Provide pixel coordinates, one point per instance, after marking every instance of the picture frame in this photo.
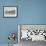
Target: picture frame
(39, 28)
(9, 11)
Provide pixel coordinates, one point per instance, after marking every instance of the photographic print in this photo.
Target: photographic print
(10, 11)
(32, 32)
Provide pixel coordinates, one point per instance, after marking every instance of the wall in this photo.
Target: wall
(7, 25)
(29, 12)
(32, 11)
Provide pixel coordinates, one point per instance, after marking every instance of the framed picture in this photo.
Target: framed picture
(10, 11)
(33, 32)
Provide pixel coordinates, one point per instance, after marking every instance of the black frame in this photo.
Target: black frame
(10, 6)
